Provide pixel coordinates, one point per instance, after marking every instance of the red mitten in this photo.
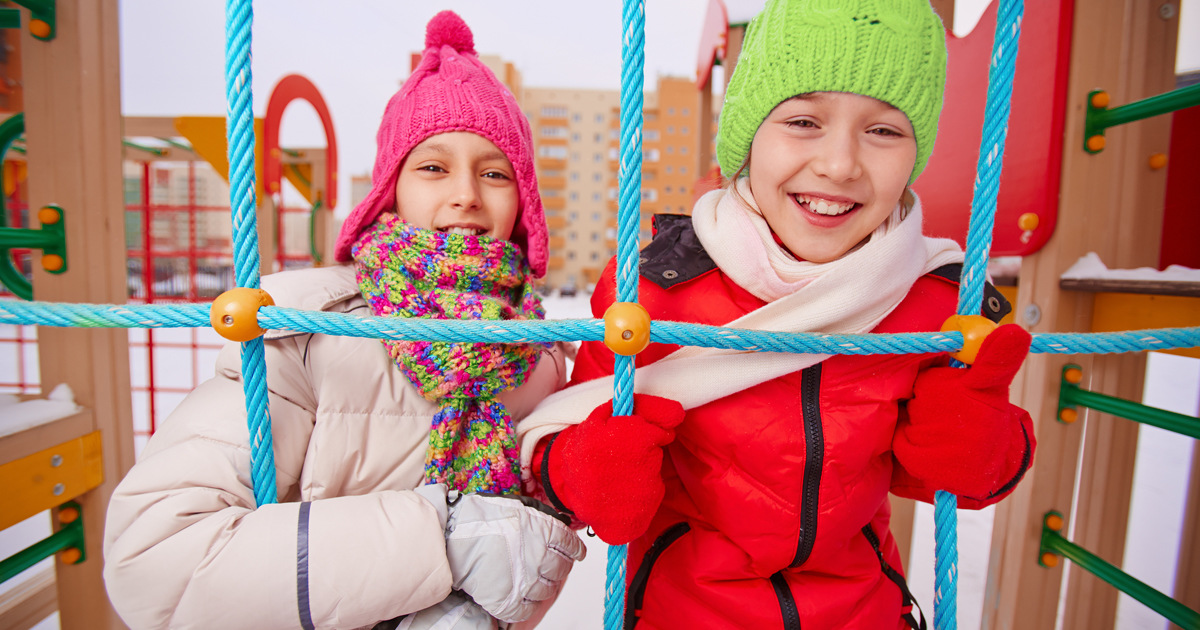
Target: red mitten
(962, 434)
(607, 469)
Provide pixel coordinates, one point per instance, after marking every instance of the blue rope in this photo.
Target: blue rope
(239, 127)
(629, 178)
(69, 315)
(970, 290)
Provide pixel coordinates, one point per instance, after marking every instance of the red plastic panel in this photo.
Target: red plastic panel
(290, 88)
(1033, 153)
(1181, 217)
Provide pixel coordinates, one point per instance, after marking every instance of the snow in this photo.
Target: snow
(16, 415)
(1090, 267)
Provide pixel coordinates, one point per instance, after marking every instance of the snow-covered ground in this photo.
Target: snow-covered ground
(1155, 522)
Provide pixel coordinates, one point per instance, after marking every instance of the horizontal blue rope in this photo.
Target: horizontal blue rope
(59, 314)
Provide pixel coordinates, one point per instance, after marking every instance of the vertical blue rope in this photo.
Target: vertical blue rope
(970, 295)
(239, 127)
(629, 177)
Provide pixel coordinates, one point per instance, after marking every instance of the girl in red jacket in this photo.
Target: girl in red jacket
(752, 488)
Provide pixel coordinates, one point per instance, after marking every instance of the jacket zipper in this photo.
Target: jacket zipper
(906, 598)
(810, 393)
(787, 602)
(637, 586)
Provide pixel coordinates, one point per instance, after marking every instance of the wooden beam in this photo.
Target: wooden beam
(29, 603)
(150, 127)
(74, 132)
(1111, 203)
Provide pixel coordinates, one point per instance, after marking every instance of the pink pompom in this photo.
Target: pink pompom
(447, 29)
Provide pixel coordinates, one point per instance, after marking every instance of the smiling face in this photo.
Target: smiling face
(828, 168)
(461, 183)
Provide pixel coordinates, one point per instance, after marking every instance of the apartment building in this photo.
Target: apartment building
(571, 138)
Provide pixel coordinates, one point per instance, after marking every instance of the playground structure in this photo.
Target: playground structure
(1109, 202)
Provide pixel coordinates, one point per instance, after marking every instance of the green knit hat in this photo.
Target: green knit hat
(892, 50)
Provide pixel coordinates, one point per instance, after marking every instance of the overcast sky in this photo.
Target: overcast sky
(357, 52)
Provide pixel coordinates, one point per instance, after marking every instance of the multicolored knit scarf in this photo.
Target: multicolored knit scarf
(404, 271)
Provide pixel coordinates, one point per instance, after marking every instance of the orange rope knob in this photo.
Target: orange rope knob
(1068, 415)
(49, 215)
(1100, 99)
(1028, 221)
(1158, 160)
(626, 328)
(235, 313)
(1096, 143)
(39, 29)
(1073, 375)
(1049, 560)
(1054, 521)
(52, 262)
(975, 328)
(68, 515)
(70, 555)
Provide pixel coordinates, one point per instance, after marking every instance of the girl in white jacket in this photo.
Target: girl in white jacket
(396, 465)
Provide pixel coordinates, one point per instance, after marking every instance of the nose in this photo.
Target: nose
(838, 159)
(464, 194)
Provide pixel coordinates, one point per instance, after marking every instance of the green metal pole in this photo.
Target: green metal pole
(28, 238)
(1174, 611)
(71, 535)
(1071, 394)
(1146, 108)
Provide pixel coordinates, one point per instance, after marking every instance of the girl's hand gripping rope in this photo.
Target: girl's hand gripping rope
(607, 470)
(961, 433)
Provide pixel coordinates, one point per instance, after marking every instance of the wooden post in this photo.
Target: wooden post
(1111, 203)
(73, 130)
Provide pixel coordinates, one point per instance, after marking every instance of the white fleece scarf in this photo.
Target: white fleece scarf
(850, 295)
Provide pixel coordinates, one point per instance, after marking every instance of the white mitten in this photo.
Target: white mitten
(508, 553)
(456, 612)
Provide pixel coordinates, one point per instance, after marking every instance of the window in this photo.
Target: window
(598, 138)
(670, 150)
(575, 156)
(670, 129)
(574, 196)
(552, 192)
(652, 155)
(597, 157)
(575, 117)
(595, 256)
(595, 216)
(574, 216)
(554, 111)
(683, 170)
(597, 177)
(596, 197)
(559, 153)
(599, 118)
(682, 150)
(649, 194)
(612, 153)
(572, 236)
(683, 129)
(685, 111)
(651, 135)
(595, 236)
(668, 190)
(670, 111)
(574, 176)
(670, 170)
(554, 132)
(570, 255)
(574, 137)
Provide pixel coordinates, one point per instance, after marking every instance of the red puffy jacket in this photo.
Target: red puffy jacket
(776, 509)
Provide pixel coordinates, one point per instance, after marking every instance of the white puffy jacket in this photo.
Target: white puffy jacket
(185, 547)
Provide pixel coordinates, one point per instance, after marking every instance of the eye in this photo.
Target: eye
(496, 175)
(432, 168)
(800, 123)
(887, 132)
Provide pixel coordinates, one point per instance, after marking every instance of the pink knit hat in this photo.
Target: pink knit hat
(451, 90)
